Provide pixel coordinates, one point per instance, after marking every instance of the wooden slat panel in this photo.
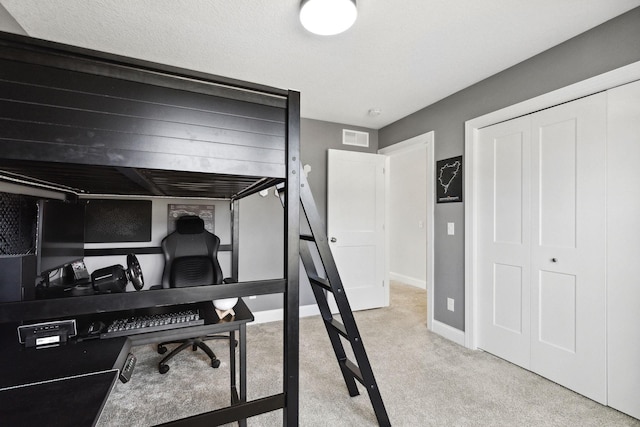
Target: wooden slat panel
(37, 151)
(67, 137)
(76, 82)
(73, 101)
(72, 58)
(85, 110)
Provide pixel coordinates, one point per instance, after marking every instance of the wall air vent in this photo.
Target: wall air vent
(354, 137)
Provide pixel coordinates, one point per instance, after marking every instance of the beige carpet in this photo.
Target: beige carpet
(425, 380)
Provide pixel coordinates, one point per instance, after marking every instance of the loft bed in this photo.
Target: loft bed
(87, 123)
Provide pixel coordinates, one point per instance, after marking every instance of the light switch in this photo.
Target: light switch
(450, 228)
(420, 224)
(451, 304)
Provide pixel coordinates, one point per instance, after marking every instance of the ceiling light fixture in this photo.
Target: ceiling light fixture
(328, 17)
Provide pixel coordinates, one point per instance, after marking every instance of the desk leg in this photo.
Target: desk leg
(243, 363)
(243, 367)
(232, 366)
(238, 394)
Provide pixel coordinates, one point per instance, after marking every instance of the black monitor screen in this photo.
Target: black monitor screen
(60, 234)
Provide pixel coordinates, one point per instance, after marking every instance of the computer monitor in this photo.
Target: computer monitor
(60, 236)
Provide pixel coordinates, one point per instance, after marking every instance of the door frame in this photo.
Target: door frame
(605, 81)
(426, 140)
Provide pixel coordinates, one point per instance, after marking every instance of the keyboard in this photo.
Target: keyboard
(152, 323)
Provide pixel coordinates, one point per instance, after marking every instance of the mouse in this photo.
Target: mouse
(95, 328)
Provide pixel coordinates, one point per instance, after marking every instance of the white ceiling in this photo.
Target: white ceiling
(400, 56)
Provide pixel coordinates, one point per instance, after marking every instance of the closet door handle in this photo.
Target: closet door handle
(333, 240)
(554, 259)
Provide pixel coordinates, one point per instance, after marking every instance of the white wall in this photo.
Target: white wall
(408, 216)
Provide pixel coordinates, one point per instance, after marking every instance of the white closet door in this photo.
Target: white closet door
(568, 325)
(541, 236)
(504, 224)
(623, 248)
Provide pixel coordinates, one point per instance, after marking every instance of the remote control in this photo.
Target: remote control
(127, 368)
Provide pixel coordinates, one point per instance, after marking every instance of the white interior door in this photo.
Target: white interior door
(541, 239)
(504, 236)
(355, 225)
(568, 324)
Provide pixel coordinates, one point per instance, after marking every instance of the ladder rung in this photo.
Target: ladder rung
(318, 281)
(353, 368)
(308, 237)
(338, 327)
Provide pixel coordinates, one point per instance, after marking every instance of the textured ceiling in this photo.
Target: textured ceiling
(399, 57)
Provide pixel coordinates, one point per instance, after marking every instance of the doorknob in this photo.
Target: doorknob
(333, 240)
(554, 259)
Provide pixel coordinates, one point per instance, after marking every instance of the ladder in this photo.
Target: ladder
(345, 327)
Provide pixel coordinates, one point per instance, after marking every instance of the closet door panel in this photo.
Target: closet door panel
(623, 248)
(557, 308)
(557, 156)
(568, 180)
(504, 223)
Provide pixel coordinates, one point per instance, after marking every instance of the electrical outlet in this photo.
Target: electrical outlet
(450, 304)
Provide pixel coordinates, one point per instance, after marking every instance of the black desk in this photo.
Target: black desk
(64, 385)
(74, 401)
(69, 384)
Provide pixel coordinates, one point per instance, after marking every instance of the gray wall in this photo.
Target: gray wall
(316, 137)
(609, 46)
(9, 24)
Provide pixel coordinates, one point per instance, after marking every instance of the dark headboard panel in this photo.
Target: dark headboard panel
(72, 107)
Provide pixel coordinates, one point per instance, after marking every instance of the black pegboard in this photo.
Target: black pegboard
(18, 221)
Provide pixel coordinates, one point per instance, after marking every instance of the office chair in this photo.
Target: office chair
(191, 259)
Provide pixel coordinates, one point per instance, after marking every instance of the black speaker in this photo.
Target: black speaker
(17, 278)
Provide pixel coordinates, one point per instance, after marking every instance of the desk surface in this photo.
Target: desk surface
(57, 386)
(213, 325)
(76, 401)
(20, 365)
(78, 374)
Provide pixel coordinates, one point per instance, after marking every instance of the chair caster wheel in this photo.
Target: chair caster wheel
(162, 349)
(215, 363)
(163, 369)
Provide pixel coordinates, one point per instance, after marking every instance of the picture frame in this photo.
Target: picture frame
(449, 181)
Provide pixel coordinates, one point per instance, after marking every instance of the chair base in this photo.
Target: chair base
(194, 343)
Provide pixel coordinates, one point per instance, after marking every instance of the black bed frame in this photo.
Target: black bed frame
(84, 122)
